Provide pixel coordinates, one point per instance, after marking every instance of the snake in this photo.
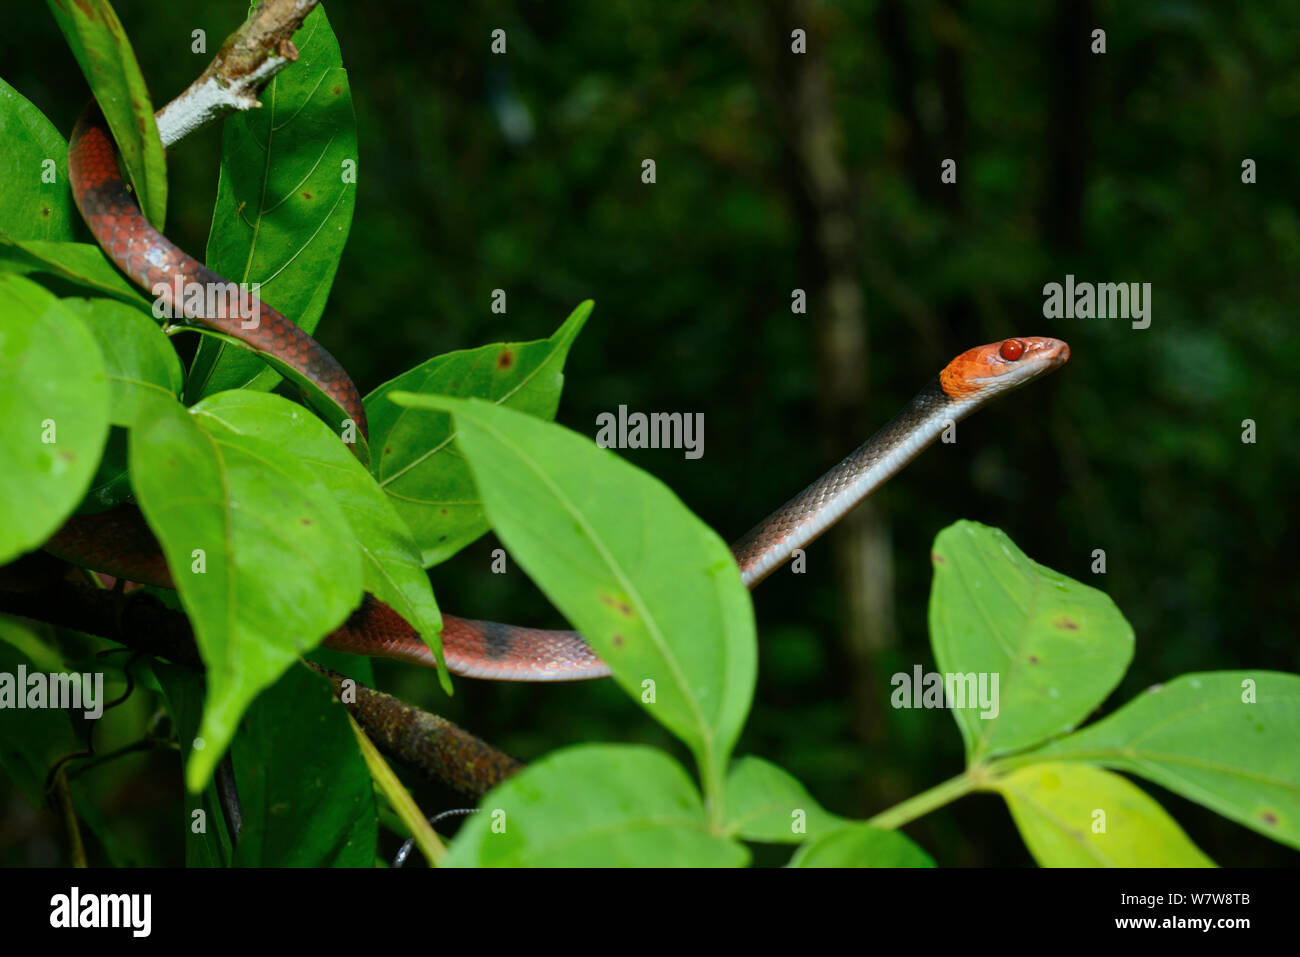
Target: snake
(119, 542)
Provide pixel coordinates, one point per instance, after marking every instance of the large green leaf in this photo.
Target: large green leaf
(141, 364)
(653, 589)
(412, 453)
(284, 203)
(104, 53)
(54, 406)
(391, 567)
(82, 263)
(260, 552)
(36, 203)
(1229, 740)
(595, 805)
(861, 845)
(303, 786)
(1074, 815)
(765, 803)
(1056, 647)
(207, 842)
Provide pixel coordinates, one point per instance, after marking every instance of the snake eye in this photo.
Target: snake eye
(1012, 350)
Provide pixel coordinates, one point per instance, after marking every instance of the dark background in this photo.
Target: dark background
(821, 172)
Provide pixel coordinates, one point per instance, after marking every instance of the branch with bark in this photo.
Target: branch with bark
(235, 78)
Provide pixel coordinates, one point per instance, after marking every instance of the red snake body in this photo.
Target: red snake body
(153, 261)
(119, 542)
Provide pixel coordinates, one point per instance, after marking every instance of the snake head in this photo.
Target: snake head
(998, 366)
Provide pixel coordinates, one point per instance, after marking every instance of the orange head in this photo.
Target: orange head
(1000, 366)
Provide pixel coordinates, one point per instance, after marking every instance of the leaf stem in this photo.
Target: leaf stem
(927, 801)
(715, 789)
(399, 798)
(63, 793)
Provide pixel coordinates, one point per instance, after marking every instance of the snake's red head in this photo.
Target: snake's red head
(1000, 366)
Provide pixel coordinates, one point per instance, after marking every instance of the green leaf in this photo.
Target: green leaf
(82, 263)
(1056, 647)
(391, 567)
(53, 403)
(38, 653)
(207, 842)
(141, 364)
(1224, 739)
(111, 484)
(765, 803)
(329, 409)
(104, 53)
(861, 845)
(303, 787)
(37, 203)
(653, 589)
(1075, 815)
(412, 452)
(596, 805)
(260, 553)
(284, 203)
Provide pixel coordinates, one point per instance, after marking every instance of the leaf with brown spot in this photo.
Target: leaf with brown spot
(617, 604)
(274, 584)
(1197, 737)
(430, 484)
(282, 212)
(38, 210)
(52, 370)
(992, 608)
(618, 553)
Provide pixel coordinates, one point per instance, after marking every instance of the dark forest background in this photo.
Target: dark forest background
(821, 172)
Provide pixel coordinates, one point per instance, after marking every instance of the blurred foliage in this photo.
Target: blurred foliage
(522, 172)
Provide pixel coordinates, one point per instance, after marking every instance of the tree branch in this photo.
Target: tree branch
(246, 62)
(431, 743)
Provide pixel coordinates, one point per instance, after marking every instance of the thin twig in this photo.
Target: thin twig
(228, 793)
(246, 62)
(76, 849)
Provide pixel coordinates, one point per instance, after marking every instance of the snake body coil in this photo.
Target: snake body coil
(154, 262)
